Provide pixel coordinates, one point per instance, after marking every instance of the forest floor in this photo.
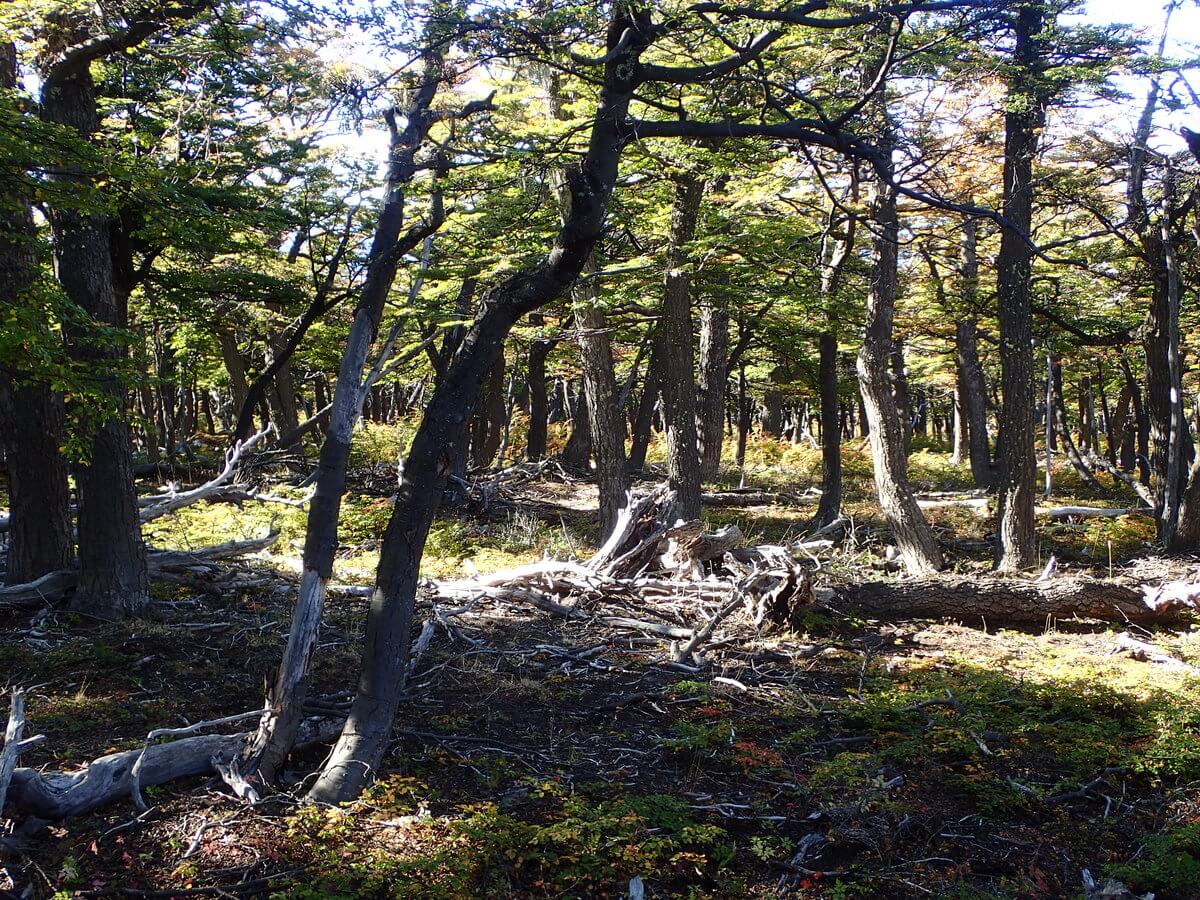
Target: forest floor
(536, 757)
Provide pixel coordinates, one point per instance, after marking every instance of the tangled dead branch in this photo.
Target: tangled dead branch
(53, 586)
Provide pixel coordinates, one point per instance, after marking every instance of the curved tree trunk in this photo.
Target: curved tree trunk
(605, 419)
(267, 750)
(359, 751)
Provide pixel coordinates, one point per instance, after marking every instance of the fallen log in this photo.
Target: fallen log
(753, 498)
(1016, 601)
(54, 585)
(1130, 646)
(60, 795)
(1088, 512)
(978, 505)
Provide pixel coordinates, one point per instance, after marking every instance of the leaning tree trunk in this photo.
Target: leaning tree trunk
(235, 367)
(357, 756)
(269, 747)
(675, 345)
(914, 538)
(31, 416)
(714, 353)
(1017, 545)
(112, 557)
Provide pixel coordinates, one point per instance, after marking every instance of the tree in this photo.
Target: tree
(678, 380)
(914, 538)
(112, 558)
(1026, 113)
(276, 734)
(31, 414)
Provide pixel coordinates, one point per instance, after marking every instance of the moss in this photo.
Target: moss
(1169, 861)
(581, 846)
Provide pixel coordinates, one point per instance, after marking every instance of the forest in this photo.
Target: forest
(568, 448)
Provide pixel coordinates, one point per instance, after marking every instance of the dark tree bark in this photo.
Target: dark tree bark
(235, 367)
(1139, 442)
(31, 416)
(836, 249)
(1017, 545)
(714, 352)
(675, 346)
(267, 750)
(1171, 447)
(605, 418)
(1087, 415)
(772, 421)
(487, 424)
(577, 452)
(358, 753)
(539, 408)
(745, 417)
(830, 507)
(112, 558)
(914, 539)
(901, 392)
(1122, 431)
(643, 421)
(972, 389)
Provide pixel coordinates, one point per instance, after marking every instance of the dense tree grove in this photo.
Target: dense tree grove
(621, 240)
